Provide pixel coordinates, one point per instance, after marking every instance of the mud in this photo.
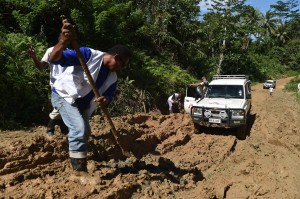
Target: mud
(168, 159)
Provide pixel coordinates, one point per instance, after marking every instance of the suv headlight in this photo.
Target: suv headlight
(197, 111)
(237, 114)
(223, 114)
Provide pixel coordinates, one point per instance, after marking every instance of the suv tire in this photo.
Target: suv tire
(196, 128)
(241, 132)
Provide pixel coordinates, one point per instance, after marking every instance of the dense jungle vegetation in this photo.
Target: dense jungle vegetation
(173, 42)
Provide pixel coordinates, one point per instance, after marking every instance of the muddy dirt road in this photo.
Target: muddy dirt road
(169, 159)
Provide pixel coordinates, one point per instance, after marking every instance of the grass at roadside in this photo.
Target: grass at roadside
(292, 86)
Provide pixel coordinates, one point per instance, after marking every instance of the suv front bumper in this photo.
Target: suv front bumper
(224, 123)
(216, 117)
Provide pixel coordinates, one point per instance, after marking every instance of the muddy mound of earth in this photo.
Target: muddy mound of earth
(168, 160)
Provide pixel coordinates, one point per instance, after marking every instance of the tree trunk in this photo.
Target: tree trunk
(219, 69)
(222, 49)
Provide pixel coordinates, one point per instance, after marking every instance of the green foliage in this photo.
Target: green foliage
(292, 86)
(158, 78)
(298, 97)
(129, 99)
(113, 22)
(152, 81)
(24, 90)
(268, 67)
(291, 55)
(172, 47)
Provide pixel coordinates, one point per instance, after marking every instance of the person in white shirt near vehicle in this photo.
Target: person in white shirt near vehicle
(173, 99)
(271, 90)
(299, 88)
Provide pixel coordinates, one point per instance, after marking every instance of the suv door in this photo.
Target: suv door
(248, 95)
(192, 94)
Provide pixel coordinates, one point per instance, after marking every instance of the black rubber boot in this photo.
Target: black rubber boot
(80, 174)
(51, 127)
(63, 128)
(79, 164)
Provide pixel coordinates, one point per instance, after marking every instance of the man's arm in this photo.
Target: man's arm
(63, 57)
(39, 64)
(67, 35)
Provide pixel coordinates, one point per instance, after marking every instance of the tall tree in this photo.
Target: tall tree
(170, 26)
(248, 25)
(269, 22)
(286, 10)
(228, 13)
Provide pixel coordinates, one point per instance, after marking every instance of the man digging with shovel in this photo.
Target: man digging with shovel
(72, 92)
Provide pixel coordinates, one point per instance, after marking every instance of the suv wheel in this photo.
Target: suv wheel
(196, 128)
(241, 132)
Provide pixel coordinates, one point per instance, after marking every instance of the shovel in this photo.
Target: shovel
(96, 92)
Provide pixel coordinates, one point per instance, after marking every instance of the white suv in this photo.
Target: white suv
(226, 104)
(269, 83)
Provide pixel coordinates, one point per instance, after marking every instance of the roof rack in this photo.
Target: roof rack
(230, 77)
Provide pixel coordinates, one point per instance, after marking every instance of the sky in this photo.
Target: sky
(262, 5)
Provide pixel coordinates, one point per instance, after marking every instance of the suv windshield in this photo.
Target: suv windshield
(228, 91)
